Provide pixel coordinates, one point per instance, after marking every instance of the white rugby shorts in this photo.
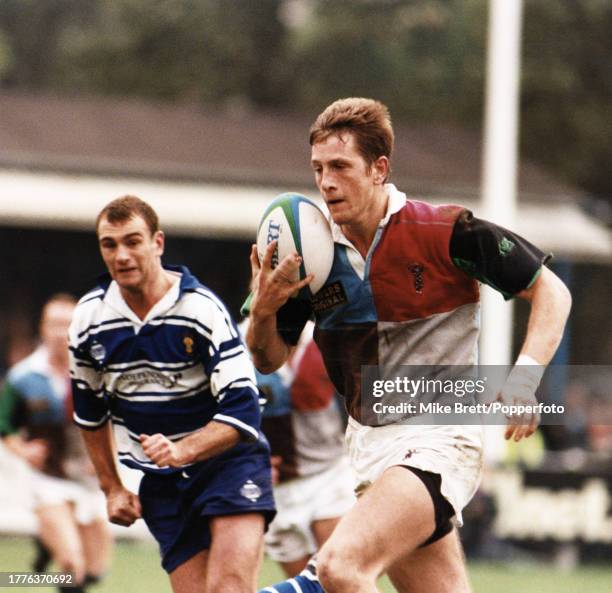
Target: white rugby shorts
(453, 452)
(302, 501)
(89, 502)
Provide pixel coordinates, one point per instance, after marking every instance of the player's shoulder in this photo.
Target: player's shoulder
(94, 297)
(421, 212)
(200, 304)
(27, 369)
(199, 300)
(90, 309)
(89, 302)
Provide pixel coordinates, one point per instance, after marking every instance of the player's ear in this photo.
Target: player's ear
(380, 169)
(160, 241)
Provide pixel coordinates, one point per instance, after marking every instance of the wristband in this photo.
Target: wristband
(527, 360)
(525, 376)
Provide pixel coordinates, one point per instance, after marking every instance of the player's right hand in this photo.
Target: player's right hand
(272, 287)
(123, 507)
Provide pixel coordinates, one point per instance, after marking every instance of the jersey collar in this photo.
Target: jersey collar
(114, 299)
(396, 201)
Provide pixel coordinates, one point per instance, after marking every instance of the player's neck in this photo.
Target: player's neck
(362, 231)
(142, 299)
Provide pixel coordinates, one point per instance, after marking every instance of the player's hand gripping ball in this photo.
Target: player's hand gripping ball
(299, 226)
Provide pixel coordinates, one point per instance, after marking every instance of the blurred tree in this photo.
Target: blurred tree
(424, 58)
(567, 89)
(31, 29)
(189, 49)
(6, 56)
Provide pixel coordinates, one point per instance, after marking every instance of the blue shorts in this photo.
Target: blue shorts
(176, 507)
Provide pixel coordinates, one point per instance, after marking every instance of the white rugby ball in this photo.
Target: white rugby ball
(300, 227)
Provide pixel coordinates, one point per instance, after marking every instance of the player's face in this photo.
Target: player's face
(54, 325)
(131, 253)
(344, 179)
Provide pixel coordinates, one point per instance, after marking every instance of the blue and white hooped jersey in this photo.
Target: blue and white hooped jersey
(170, 373)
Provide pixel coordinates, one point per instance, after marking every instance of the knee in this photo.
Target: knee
(229, 583)
(71, 561)
(339, 571)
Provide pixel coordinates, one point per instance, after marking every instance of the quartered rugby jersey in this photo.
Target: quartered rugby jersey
(34, 399)
(301, 419)
(171, 373)
(414, 300)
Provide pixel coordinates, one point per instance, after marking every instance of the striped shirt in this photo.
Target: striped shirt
(180, 367)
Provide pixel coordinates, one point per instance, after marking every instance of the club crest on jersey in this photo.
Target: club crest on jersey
(410, 453)
(188, 343)
(505, 246)
(417, 274)
(97, 351)
(250, 490)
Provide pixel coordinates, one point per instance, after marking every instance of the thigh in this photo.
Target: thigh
(390, 520)
(58, 529)
(235, 552)
(436, 568)
(190, 576)
(295, 566)
(323, 528)
(60, 534)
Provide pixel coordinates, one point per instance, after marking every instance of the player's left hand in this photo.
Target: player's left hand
(519, 392)
(162, 451)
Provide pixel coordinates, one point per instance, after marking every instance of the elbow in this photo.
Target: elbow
(552, 293)
(268, 360)
(566, 299)
(563, 299)
(265, 366)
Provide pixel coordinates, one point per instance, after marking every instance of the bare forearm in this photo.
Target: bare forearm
(272, 287)
(268, 349)
(100, 446)
(550, 305)
(211, 440)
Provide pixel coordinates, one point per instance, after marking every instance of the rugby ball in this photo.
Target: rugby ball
(300, 227)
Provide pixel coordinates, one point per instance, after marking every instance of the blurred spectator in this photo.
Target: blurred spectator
(36, 425)
(313, 481)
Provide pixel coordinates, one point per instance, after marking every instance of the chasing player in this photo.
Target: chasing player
(314, 483)
(155, 354)
(35, 423)
(405, 279)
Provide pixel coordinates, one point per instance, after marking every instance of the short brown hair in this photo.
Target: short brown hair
(126, 207)
(367, 119)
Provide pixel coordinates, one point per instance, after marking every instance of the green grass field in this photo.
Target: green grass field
(136, 569)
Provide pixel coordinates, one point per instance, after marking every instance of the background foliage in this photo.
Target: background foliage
(425, 58)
